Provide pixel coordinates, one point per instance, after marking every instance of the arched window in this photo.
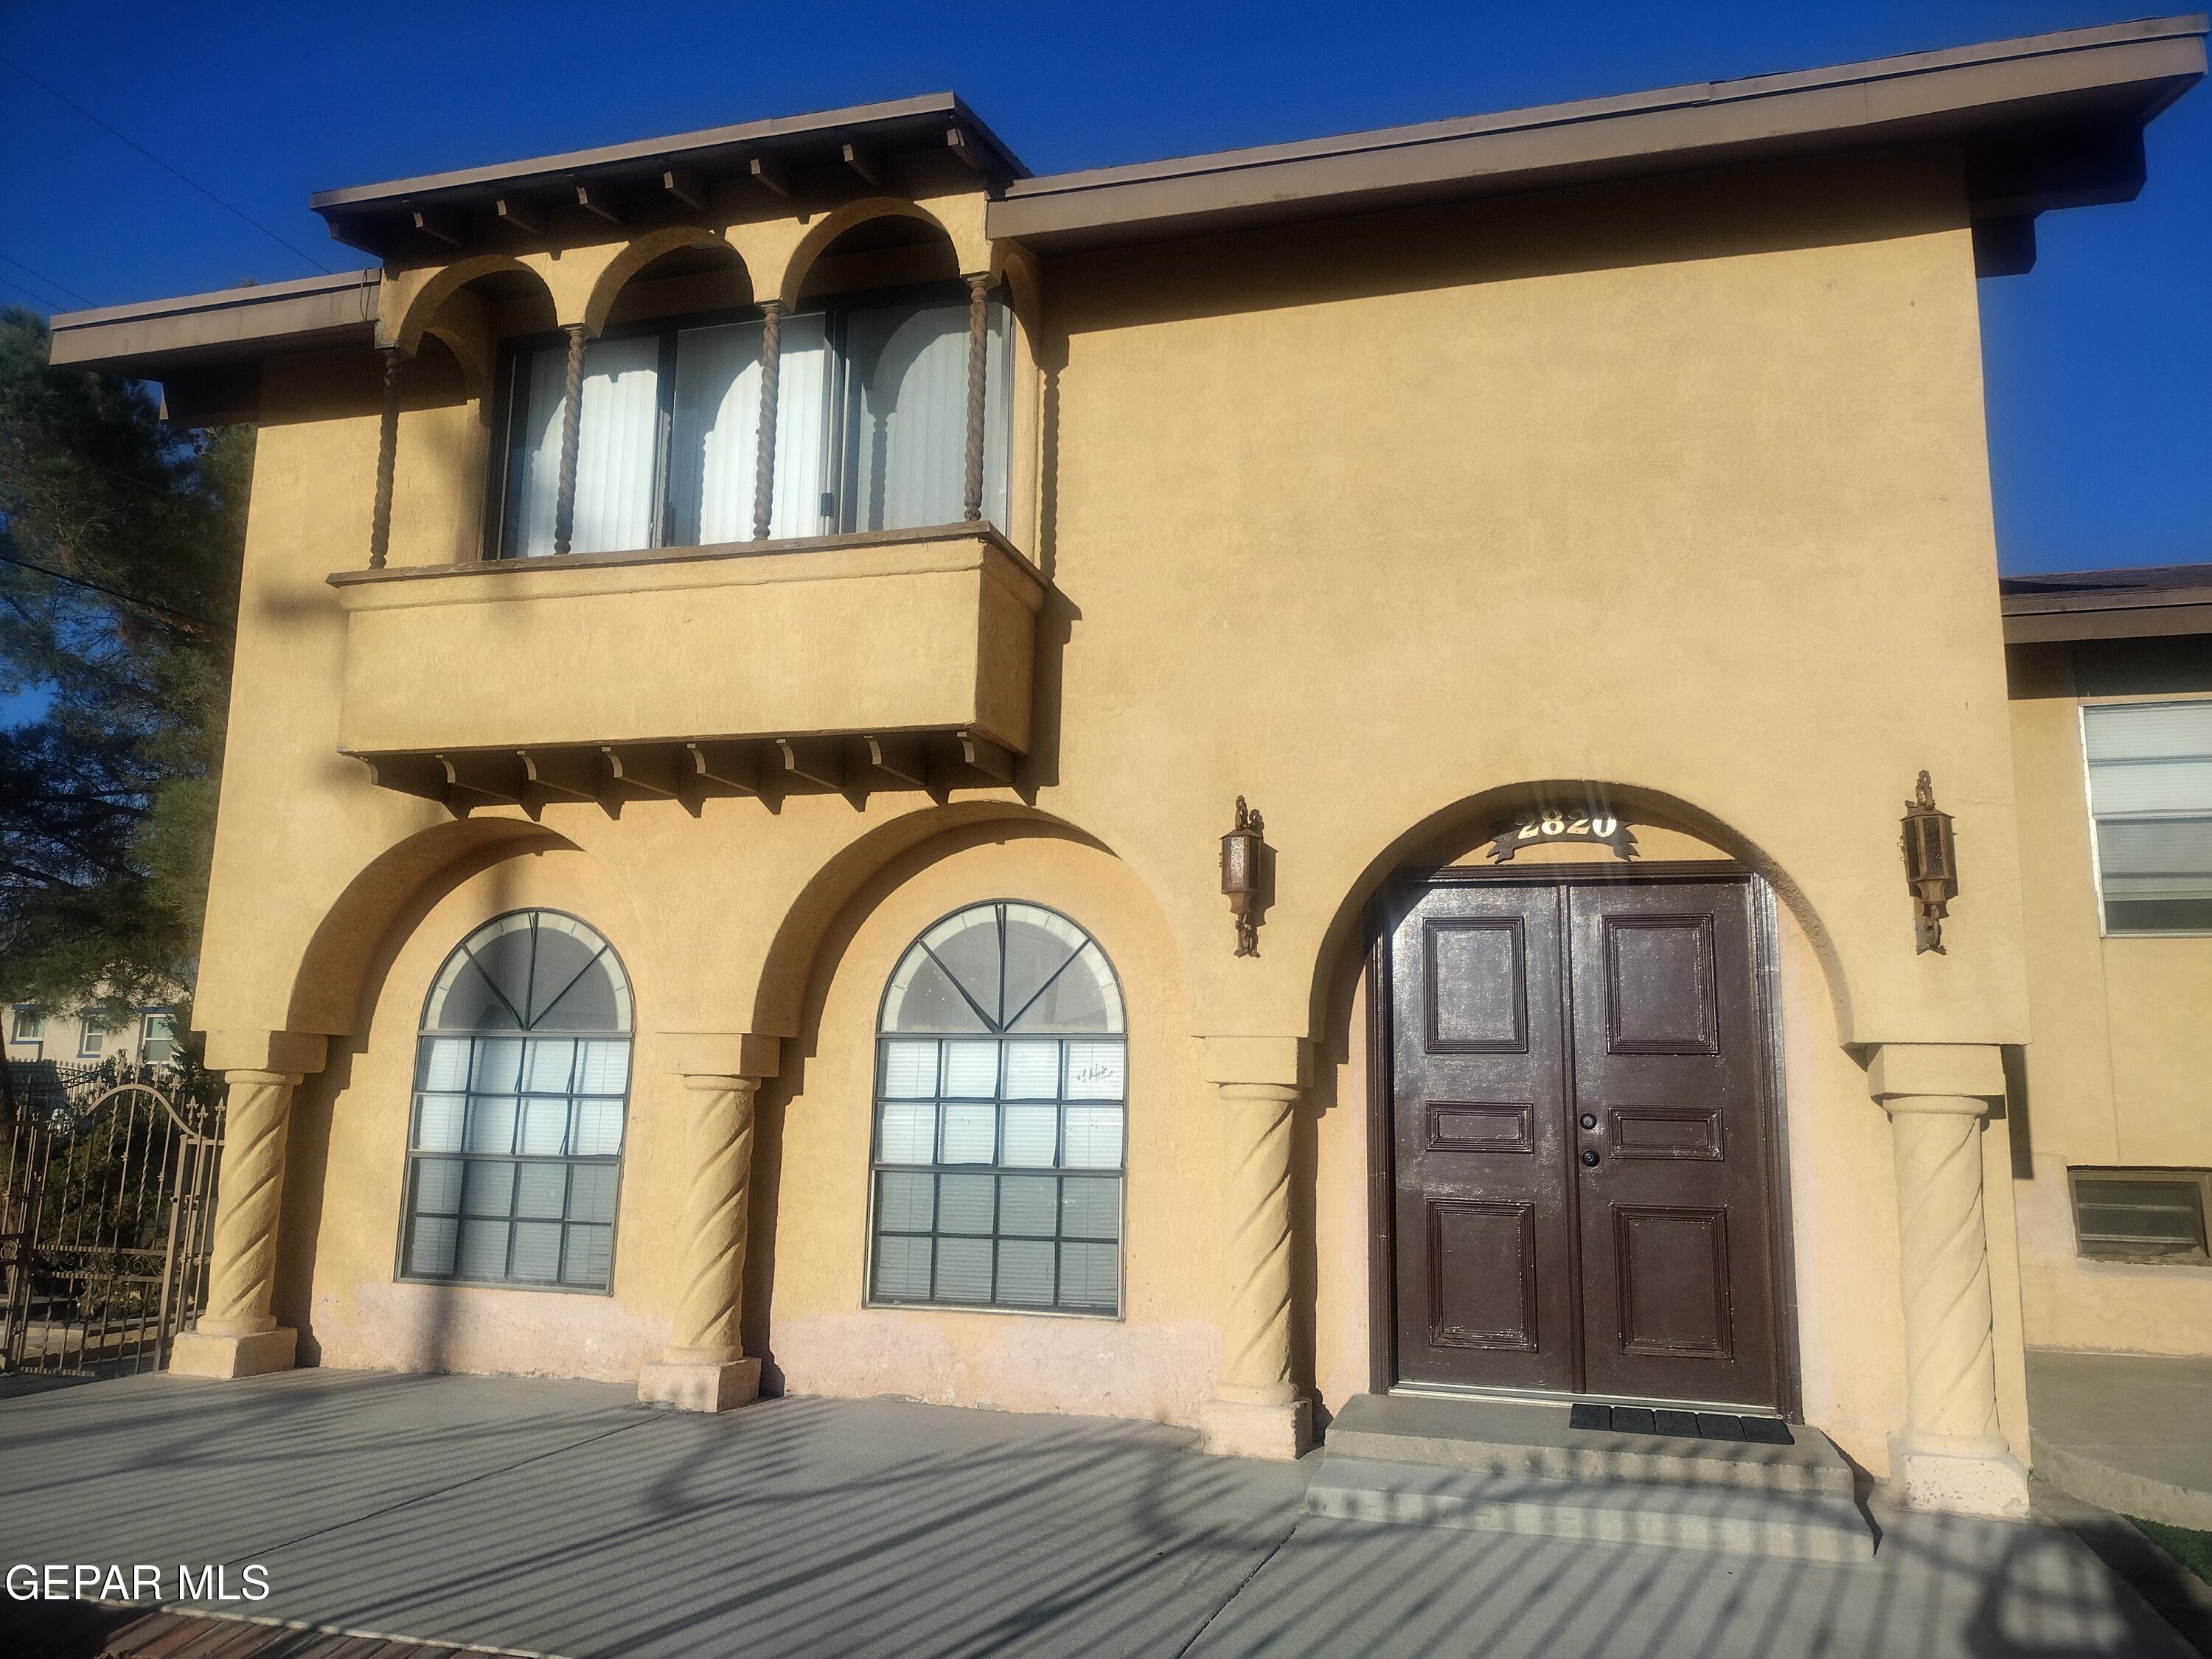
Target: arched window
(1000, 1076)
(521, 1079)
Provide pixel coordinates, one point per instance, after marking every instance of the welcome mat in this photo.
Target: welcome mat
(1688, 1426)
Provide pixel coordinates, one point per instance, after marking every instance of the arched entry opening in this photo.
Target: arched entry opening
(1579, 1177)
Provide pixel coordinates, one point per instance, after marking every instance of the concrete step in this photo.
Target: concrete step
(1795, 1526)
(1531, 1440)
(1518, 1466)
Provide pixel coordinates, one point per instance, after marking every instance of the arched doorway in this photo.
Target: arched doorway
(1575, 1123)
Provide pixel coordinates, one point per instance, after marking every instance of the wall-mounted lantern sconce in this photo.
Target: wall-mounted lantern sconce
(1931, 866)
(1243, 852)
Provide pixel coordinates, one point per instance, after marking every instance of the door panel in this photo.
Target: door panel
(1579, 1124)
(1485, 1253)
(1677, 1275)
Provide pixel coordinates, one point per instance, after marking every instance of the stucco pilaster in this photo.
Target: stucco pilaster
(237, 1333)
(1256, 1411)
(1953, 1456)
(704, 1366)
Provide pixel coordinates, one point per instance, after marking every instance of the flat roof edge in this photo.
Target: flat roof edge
(261, 317)
(1852, 103)
(674, 146)
(2025, 48)
(2139, 622)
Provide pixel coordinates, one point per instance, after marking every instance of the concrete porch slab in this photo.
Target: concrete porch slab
(2130, 1432)
(563, 1519)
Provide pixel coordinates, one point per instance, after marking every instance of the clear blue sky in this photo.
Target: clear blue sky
(2099, 363)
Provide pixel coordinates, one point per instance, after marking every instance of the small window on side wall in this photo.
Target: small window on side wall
(91, 1038)
(2150, 795)
(26, 1026)
(157, 1039)
(2141, 1215)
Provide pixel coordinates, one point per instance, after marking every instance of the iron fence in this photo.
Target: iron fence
(107, 1186)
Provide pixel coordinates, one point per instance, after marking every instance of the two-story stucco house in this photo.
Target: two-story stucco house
(1196, 790)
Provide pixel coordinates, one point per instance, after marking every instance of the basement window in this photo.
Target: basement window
(2141, 1215)
(871, 428)
(2150, 795)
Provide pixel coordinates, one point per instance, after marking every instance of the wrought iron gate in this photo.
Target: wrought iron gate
(107, 1213)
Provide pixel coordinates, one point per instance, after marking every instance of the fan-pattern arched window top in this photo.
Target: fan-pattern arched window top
(1001, 1079)
(522, 1079)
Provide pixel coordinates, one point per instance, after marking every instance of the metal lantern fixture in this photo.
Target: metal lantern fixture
(1241, 850)
(1931, 865)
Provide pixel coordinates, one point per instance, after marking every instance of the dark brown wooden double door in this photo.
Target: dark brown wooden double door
(1582, 1159)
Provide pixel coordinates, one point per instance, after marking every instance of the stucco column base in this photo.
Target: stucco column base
(699, 1385)
(218, 1353)
(1230, 1428)
(1991, 1484)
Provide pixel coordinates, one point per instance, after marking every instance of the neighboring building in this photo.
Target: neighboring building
(89, 1037)
(751, 643)
(2111, 1109)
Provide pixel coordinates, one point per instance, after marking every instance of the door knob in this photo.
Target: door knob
(1589, 1120)
(1590, 1158)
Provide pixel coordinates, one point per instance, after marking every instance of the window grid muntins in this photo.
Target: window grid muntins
(2149, 774)
(516, 1128)
(999, 1156)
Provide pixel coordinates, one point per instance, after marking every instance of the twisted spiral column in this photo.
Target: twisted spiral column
(718, 1146)
(242, 1268)
(1256, 1334)
(1950, 1356)
(572, 417)
(387, 456)
(979, 347)
(764, 449)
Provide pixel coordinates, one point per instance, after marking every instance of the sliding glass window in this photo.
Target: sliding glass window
(871, 429)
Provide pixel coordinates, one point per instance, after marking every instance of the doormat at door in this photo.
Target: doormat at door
(1689, 1425)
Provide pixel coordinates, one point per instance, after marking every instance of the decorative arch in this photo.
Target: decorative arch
(334, 970)
(642, 251)
(780, 992)
(413, 299)
(835, 223)
(1347, 921)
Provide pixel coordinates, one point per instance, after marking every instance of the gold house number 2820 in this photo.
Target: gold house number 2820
(1540, 825)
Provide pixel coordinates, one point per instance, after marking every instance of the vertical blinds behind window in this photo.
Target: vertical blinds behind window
(906, 417)
(2150, 791)
(716, 433)
(615, 436)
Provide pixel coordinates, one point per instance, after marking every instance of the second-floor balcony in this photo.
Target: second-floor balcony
(888, 659)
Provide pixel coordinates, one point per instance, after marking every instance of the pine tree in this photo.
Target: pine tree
(120, 537)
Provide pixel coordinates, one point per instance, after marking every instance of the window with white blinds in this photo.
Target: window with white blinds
(521, 1089)
(870, 433)
(1001, 1090)
(2150, 795)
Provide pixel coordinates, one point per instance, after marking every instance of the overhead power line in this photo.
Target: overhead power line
(38, 300)
(58, 287)
(112, 592)
(126, 138)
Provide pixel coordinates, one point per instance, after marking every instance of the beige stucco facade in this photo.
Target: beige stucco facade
(1667, 492)
(2117, 1074)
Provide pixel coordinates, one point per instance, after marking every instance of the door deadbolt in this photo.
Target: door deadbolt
(1589, 1120)
(1590, 1158)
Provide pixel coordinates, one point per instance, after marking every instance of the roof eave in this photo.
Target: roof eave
(2119, 77)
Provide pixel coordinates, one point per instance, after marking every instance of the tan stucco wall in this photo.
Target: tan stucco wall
(1380, 523)
(2120, 1068)
(347, 1165)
